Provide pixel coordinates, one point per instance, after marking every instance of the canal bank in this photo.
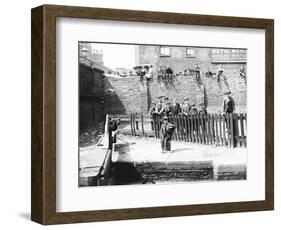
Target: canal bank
(138, 160)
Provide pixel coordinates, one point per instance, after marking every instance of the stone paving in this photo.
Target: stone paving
(149, 149)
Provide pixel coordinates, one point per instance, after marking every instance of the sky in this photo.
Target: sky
(117, 55)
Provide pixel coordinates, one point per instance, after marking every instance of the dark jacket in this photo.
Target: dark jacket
(176, 109)
(203, 112)
(152, 111)
(167, 109)
(228, 105)
(169, 71)
(112, 126)
(167, 130)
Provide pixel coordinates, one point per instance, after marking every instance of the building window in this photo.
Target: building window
(190, 52)
(165, 51)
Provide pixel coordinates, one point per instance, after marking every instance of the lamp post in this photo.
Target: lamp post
(84, 52)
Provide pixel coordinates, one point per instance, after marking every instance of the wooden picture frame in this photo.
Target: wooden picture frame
(43, 202)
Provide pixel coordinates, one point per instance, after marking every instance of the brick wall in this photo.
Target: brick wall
(137, 96)
(130, 95)
(233, 82)
(181, 87)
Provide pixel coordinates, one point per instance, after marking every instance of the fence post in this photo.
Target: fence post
(194, 127)
(142, 125)
(207, 128)
(174, 118)
(156, 127)
(211, 129)
(242, 129)
(232, 130)
(200, 125)
(188, 128)
(216, 126)
(205, 118)
(198, 128)
(177, 123)
(184, 128)
(224, 120)
(191, 128)
(228, 129)
(131, 123)
(134, 123)
(220, 131)
(236, 129)
(201, 117)
(179, 127)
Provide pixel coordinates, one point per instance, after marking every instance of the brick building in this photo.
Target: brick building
(209, 90)
(182, 58)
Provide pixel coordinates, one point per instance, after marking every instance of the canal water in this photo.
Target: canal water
(125, 173)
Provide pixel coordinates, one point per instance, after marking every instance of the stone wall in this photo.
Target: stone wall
(91, 97)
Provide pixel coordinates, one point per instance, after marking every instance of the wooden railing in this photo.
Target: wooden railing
(211, 129)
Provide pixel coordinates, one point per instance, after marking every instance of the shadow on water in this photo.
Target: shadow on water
(126, 173)
(181, 150)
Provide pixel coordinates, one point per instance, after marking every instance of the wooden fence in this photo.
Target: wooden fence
(211, 129)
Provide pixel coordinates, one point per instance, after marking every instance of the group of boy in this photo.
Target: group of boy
(166, 107)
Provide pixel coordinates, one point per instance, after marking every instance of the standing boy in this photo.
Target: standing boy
(166, 132)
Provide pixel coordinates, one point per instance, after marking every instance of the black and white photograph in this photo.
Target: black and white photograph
(146, 114)
(154, 114)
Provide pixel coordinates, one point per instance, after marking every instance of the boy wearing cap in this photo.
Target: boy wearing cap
(228, 103)
(176, 109)
(219, 73)
(167, 107)
(197, 72)
(166, 133)
(229, 108)
(202, 114)
(202, 110)
(185, 107)
(113, 130)
(159, 106)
